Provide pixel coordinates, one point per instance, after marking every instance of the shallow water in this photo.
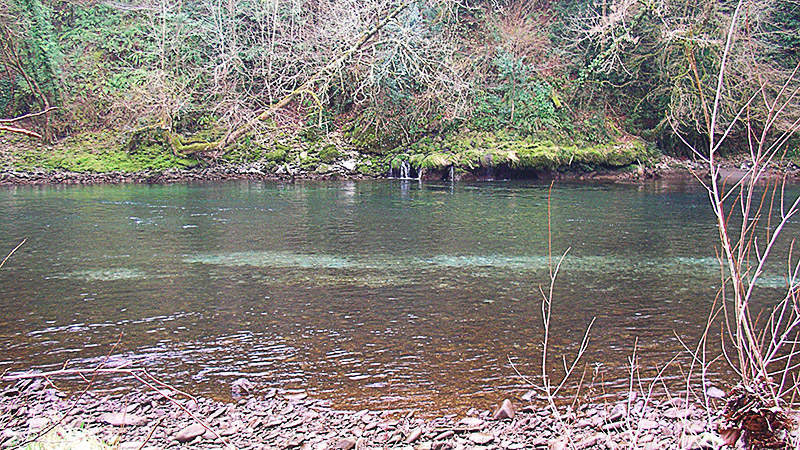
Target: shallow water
(387, 294)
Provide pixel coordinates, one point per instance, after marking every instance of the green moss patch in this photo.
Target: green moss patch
(470, 150)
(97, 152)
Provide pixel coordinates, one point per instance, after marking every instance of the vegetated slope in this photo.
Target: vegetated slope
(525, 84)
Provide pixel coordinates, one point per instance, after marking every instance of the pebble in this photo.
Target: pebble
(120, 419)
(714, 392)
(189, 433)
(278, 421)
(481, 438)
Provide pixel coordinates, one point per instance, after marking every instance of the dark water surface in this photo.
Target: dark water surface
(372, 294)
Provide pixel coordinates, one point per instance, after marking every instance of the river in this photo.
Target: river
(376, 294)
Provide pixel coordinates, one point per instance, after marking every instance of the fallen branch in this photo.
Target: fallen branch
(18, 130)
(29, 115)
(11, 253)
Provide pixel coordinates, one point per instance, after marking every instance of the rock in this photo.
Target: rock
(241, 386)
(647, 424)
(730, 436)
(344, 444)
(557, 444)
(37, 423)
(695, 427)
(296, 397)
(714, 392)
(13, 392)
(349, 164)
(189, 433)
(123, 420)
(709, 440)
(590, 441)
(614, 426)
(528, 396)
(676, 401)
(413, 435)
(480, 438)
(472, 423)
(220, 411)
(444, 435)
(677, 413)
(505, 411)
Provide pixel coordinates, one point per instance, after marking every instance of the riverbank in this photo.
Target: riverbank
(35, 409)
(665, 168)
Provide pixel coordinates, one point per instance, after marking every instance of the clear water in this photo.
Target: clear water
(372, 294)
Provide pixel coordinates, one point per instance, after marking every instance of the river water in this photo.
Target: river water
(385, 294)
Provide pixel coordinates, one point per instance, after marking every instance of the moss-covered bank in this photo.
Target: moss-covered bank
(329, 155)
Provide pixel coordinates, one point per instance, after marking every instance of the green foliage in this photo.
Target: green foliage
(517, 100)
(34, 39)
(782, 32)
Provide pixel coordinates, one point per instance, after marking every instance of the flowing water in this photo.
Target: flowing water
(388, 294)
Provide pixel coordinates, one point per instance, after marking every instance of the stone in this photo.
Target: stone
(413, 435)
(730, 436)
(557, 444)
(715, 392)
(296, 397)
(590, 441)
(37, 423)
(444, 435)
(677, 413)
(123, 420)
(472, 423)
(480, 438)
(241, 386)
(709, 440)
(505, 411)
(349, 164)
(344, 444)
(189, 433)
(647, 424)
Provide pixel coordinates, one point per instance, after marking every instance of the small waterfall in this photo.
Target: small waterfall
(489, 173)
(405, 170)
(452, 173)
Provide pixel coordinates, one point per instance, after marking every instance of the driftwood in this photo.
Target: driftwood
(180, 147)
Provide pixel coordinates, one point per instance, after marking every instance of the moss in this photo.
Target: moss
(329, 153)
(470, 150)
(99, 152)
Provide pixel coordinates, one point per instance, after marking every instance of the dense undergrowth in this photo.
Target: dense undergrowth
(468, 84)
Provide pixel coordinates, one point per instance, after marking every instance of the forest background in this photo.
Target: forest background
(145, 84)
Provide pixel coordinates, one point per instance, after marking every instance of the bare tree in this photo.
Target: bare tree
(752, 212)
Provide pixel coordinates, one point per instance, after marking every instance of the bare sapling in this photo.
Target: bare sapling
(548, 387)
(752, 210)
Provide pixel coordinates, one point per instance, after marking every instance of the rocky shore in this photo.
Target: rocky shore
(668, 168)
(253, 171)
(34, 408)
